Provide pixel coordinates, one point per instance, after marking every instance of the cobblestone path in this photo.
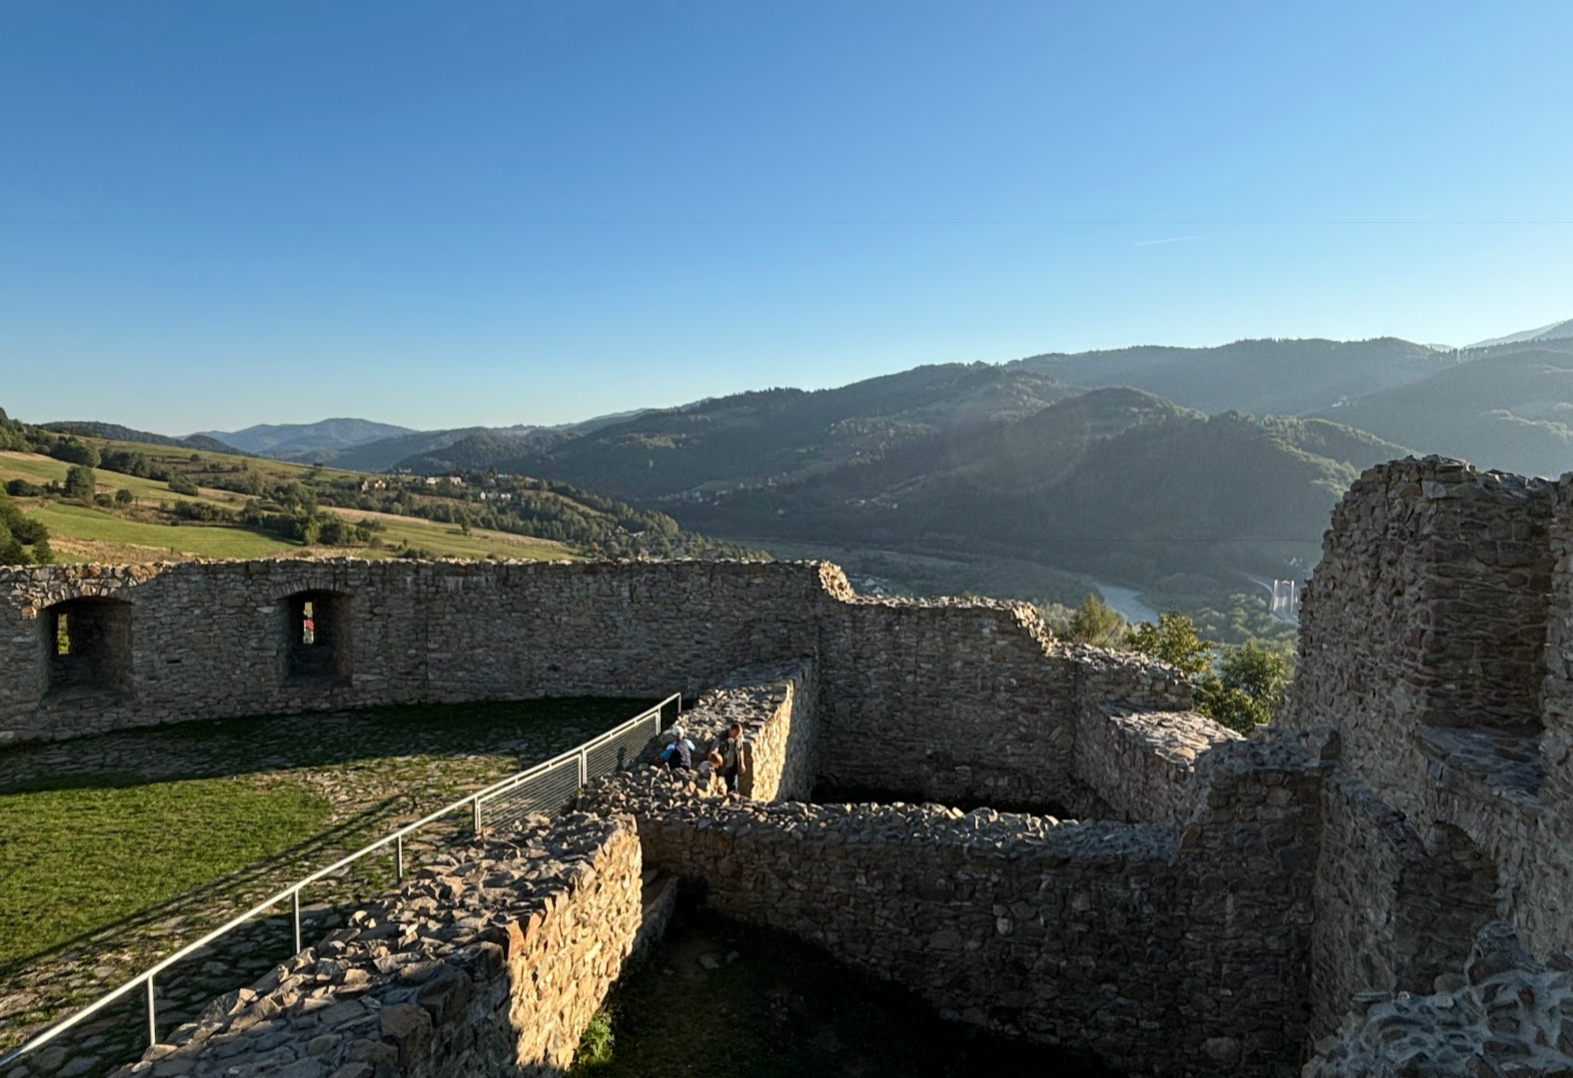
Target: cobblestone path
(376, 769)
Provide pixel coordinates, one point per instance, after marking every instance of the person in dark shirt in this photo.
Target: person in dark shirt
(730, 748)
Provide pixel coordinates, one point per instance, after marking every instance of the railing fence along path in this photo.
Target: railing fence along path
(545, 788)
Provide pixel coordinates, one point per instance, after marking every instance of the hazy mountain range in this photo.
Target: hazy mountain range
(1184, 471)
(1504, 403)
(1555, 331)
(283, 441)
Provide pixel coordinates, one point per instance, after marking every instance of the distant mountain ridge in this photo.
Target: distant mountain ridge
(286, 441)
(775, 434)
(1279, 377)
(364, 445)
(1509, 407)
(118, 433)
(1555, 331)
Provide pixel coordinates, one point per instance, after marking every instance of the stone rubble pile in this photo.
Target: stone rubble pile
(1507, 1017)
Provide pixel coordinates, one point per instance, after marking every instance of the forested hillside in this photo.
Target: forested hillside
(779, 434)
(1509, 407)
(1117, 483)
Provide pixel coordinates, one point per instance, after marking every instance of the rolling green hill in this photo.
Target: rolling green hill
(153, 502)
(116, 433)
(1114, 485)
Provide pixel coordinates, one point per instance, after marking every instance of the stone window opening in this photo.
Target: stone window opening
(87, 648)
(317, 638)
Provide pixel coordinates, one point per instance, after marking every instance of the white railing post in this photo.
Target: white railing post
(584, 769)
(398, 859)
(152, 1014)
(294, 903)
(476, 802)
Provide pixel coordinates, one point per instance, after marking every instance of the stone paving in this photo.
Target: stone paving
(377, 770)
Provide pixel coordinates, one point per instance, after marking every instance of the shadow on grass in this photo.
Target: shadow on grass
(216, 747)
(192, 901)
(717, 998)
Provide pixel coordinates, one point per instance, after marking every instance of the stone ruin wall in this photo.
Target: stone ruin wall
(1505, 1014)
(1138, 764)
(210, 640)
(950, 700)
(488, 962)
(1429, 608)
(953, 700)
(1434, 666)
(1161, 949)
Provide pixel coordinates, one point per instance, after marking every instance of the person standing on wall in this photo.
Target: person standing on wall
(729, 747)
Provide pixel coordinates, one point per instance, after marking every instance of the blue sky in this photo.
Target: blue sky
(213, 215)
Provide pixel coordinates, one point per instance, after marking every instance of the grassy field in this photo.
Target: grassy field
(101, 831)
(98, 526)
(74, 859)
(95, 534)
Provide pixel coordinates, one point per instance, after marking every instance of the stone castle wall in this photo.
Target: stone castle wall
(1157, 951)
(1434, 666)
(210, 640)
(1428, 608)
(488, 963)
(951, 700)
(1139, 764)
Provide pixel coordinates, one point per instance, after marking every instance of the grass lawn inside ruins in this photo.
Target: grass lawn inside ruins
(101, 837)
(73, 860)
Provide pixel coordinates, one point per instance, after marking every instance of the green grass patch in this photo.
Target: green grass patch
(69, 520)
(39, 469)
(450, 541)
(596, 1044)
(75, 860)
(97, 832)
(80, 522)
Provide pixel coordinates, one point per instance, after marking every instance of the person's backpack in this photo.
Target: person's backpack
(679, 755)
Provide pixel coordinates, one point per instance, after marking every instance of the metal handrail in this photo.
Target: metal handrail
(292, 892)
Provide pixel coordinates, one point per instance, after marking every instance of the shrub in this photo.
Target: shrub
(595, 1045)
(80, 482)
(201, 511)
(74, 452)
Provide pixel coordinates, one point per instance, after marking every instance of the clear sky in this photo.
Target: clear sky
(456, 213)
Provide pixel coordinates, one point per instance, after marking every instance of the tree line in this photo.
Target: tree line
(1238, 687)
